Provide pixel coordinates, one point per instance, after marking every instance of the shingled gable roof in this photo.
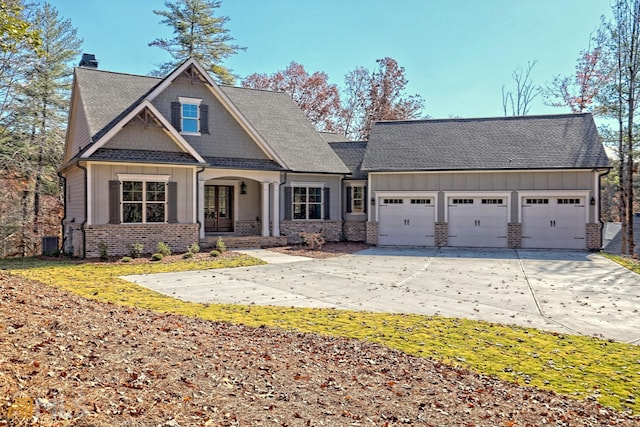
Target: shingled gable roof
(277, 118)
(567, 141)
(272, 118)
(352, 154)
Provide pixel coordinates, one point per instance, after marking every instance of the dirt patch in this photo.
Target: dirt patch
(73, 361)
(328, 250)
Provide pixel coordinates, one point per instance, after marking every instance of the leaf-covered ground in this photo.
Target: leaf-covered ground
(83, 362)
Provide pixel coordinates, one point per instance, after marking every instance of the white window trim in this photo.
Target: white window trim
(364, 199)
(144, 179)
(193, 101)
(306, 185)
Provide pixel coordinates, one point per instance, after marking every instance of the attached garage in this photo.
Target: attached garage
(502, 182)
(554, 221)
(406, 220)
(478, 220)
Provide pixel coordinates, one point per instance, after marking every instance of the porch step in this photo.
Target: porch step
(244, 242)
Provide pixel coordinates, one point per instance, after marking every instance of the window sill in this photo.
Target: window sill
(191, 133)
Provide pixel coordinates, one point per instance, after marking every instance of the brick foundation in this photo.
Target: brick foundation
(442, 234)
(248, 228)
(514, 238)
(118, 237)
(594, 236)
(243, 242)
(372, 233)
(332, 230)
(354, 231)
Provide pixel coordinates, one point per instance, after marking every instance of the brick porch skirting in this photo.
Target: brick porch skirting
(118, 237)
(332, 230)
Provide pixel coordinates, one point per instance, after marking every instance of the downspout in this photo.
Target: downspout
(86, 209)
(64, 207)
(599, 204)
(198, 201)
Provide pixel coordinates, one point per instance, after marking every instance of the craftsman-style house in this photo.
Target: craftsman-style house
(181, 159)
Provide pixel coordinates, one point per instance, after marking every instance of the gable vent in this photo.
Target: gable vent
(89, 60)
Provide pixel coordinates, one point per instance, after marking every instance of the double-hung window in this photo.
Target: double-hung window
(307, 203)
(144, 201)
(190, 115)
(357, 198)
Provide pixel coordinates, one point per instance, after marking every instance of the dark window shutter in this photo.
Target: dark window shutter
(114, 202)
(288, 207)
(327, 206)
(365, 202)
(176, 115)
(172, 195)
(204, 118)
(349, 199)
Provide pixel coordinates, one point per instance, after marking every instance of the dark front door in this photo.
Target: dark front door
(218, 208)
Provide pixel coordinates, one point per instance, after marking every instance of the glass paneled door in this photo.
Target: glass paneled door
(218, 208)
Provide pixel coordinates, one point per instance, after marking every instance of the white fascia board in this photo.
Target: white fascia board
(178, 139)
(225, 101)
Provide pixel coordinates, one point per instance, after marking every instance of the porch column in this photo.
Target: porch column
(265, 209)
(275, 208)
(200, 204)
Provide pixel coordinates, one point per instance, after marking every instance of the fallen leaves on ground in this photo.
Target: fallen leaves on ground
(82, 362)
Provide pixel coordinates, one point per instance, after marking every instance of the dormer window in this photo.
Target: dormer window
(190, 116)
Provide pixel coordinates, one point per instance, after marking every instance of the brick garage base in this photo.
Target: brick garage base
(332, 230)
(118, 237)
(514, 238)
(372, 233)
(594, 236)
(354, 231)
(442, 234)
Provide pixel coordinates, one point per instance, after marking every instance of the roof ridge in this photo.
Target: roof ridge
(118, 72)
(481, 119)
(252, 88)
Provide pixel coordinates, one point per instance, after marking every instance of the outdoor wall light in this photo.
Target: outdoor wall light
(243, 188)
(373, 201)
(593, 201)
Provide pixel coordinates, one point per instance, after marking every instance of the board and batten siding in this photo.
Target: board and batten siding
(226, 139)
(481, 181)
(102, 174)
(334, 183)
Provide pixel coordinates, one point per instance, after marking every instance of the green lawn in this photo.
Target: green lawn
(572, 365)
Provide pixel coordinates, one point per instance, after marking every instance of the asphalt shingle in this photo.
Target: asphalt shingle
(351, 153)
(568, 141)
(277, 118)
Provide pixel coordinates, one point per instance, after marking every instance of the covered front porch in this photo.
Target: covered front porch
(237, 205)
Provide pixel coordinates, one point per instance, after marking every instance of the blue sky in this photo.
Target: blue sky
(457, 53)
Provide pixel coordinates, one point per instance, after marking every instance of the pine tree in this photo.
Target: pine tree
(198, 34)
(39, 127)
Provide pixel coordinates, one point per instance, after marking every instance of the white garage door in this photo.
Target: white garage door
(406, 221)
(554, 222)
(477, 222)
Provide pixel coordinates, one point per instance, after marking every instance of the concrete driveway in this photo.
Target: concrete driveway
(562, 291)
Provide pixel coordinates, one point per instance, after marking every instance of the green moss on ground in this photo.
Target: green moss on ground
(571, 365)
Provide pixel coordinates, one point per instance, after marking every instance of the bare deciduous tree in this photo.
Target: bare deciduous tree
(518, 102)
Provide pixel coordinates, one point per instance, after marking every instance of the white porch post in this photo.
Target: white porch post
(200, 213)
(275, 208)
(265, 209)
